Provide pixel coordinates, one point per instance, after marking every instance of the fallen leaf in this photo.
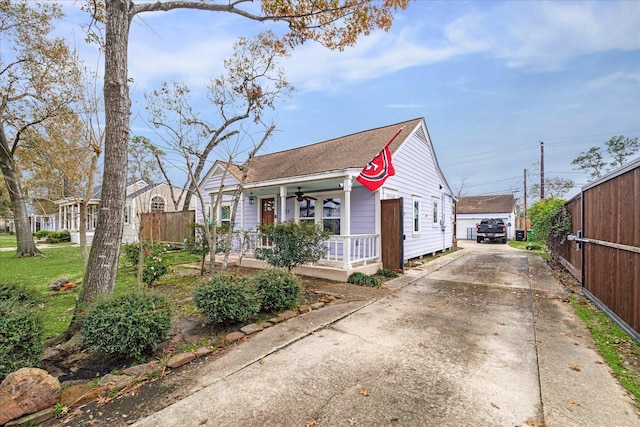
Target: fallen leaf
(352, 421)
(573, 402)
(495, 405)
(423, 345)
(364, 392)
(261, 361)
(532, 423)
(575, 367)
(310, 423)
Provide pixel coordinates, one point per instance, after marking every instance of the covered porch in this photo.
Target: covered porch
(344, 256)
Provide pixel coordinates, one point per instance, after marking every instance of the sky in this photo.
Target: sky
(491, 79)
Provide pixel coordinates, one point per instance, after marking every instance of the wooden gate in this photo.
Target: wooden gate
(167, 227)
(391, 234)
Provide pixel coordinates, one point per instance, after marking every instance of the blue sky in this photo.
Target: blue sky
(491, 79)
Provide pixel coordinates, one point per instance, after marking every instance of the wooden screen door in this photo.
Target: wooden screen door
(392, 234)
(268, 211)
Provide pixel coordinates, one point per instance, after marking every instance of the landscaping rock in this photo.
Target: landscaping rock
(26, 391)
(251, 328)
(289, 314)
(115, 381)
(317, 305)
(57, 284)
(203, 351)
(234, 336)
(275, 320)
(180, 359)
(146, 369)
(304, 308)
(33, 419)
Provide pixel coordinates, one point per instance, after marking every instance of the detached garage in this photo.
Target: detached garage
(472, 209)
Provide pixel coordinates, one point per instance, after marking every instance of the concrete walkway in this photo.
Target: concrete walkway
(478, 337)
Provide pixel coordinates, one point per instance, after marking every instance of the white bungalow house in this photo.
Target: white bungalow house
(470, 210)
(409, 216)
(141, 197)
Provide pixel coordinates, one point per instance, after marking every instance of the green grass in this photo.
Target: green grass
(66, 261)
(7, 240)
(614, 344)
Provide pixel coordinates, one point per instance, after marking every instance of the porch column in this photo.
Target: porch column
(283, 203)
(346, 228)
(378, 222)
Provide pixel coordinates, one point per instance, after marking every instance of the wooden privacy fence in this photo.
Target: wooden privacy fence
(167, 227)
(603, 251)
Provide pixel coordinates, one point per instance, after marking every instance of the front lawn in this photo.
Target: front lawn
(66, 261)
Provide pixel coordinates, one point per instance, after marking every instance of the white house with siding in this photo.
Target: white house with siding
(141, 197)
(470, 210)
(411, 215)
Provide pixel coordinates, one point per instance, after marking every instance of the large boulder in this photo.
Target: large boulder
(26, 391)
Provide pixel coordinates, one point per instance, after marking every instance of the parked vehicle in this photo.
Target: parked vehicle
(492, 229)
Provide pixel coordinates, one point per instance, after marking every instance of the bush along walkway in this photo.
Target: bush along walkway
(76, 394)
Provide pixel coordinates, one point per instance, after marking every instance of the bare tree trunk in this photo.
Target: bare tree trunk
(26, 244)
(100, 276)
(238, 192)
(82, 229)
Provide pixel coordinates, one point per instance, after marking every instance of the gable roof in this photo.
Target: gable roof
(350, 151)
(485, 204)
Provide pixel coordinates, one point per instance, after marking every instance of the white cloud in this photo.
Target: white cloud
(544, 36)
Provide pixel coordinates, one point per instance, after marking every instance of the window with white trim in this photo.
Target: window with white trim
(416, 214)
(307, 210)
(127, 214)
(225, 215)
(435, 201)
(331, 214)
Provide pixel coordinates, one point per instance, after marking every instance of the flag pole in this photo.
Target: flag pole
(394, 136)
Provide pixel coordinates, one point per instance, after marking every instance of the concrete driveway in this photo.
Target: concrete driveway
(480, 337)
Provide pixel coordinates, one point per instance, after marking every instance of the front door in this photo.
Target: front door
(392, 234)
(268, 211)
(267, 216)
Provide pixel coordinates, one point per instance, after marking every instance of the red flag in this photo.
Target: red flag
(375, 173)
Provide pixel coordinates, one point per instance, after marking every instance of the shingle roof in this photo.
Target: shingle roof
(485, 204)
(351, 151)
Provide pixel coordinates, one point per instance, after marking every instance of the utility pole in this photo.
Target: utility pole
(525, 205)
(541, 170)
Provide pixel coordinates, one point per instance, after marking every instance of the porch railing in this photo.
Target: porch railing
(348, 250)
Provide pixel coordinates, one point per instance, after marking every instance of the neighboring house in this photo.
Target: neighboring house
(411, 215)
(471, 210)
(141, 198)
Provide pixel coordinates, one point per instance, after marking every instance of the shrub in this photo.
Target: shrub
(292, 244)
(358, 278)
(155, 265)
(550, 220)
(42, 233)
(277, 290)
(59, 236)
(226, 299)
(20, 329)
(386, 272)
(128, 325)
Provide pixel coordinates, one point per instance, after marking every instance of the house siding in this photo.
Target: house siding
(363, 211)
(417, 175)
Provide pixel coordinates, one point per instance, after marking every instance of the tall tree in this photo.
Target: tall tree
(621, 148)
(334, 23)
(38, 80)
(593, 162)
(553, 187)
(252, 81)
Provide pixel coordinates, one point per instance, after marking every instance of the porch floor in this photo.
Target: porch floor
(323, 269)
